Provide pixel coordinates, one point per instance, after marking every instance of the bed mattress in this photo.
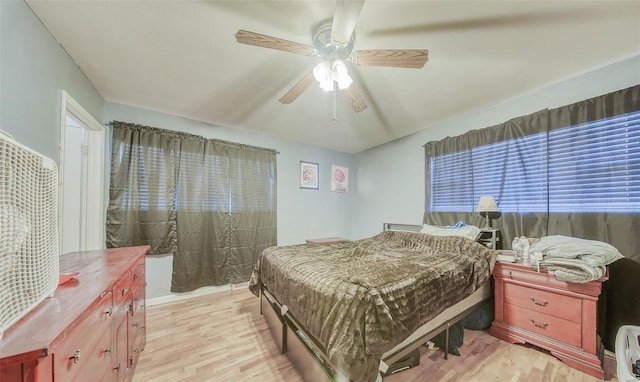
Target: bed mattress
(360, 299)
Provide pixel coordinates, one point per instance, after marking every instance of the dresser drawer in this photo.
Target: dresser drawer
(90, 338)
(137, 324)
(557, 328)
(553, 304)
(122, 289)
(93, 364)
(138, 273)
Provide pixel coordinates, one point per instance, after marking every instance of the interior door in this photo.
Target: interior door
(82, 148)
(74, 235)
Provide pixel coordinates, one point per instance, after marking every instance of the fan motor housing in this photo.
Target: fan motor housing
(328, 49)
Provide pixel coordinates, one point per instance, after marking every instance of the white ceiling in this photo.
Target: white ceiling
(181, 58)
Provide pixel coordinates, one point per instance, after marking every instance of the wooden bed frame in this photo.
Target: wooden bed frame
(308, 355)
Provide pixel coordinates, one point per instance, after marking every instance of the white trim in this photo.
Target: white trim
(96, 138)
(95, 190)
(196, 293)
(79, 112)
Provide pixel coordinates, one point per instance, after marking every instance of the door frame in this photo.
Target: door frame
(94, 217)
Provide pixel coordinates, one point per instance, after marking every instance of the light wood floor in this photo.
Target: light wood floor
(223, 337)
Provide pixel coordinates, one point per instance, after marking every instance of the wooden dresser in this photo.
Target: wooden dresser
(92, 329)
(558, 316)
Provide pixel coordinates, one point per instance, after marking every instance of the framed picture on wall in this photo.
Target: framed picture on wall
(309, 175)
(339, 178)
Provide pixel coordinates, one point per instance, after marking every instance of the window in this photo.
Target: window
(591, 167)
(211, 203)
(595, 167)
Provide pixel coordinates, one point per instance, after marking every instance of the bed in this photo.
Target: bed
(347, 311)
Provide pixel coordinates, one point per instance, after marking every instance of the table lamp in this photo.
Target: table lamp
(488, 209)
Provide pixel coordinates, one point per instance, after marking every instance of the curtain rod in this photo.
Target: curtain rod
(110, 124)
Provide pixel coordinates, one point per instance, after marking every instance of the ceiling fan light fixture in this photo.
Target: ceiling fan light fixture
(322, 74)
(327, 72)
(340, 74)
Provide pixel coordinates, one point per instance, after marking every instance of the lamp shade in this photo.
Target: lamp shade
(487, 203)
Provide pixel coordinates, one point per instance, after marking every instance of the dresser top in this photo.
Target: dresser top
(32, 336)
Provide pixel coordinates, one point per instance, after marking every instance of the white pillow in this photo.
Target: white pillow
(592, 251)
(468, 231)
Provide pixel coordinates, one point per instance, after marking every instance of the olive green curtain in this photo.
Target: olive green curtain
(142, 188)
(210, 202)
(226, 212)
(614, 228)
(618, 229)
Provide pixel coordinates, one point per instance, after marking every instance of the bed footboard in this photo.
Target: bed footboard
(306, 356)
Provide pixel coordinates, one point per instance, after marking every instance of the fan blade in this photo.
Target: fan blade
(257, 39)
(357, 102)
(400, 58)
(297, 89)
(344, 20)
(529, 18)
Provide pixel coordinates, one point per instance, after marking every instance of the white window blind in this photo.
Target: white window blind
(593, 167)
(451, 182)
(150, 164)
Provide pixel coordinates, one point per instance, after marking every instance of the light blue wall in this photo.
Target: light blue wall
(302, 213)
(33, 70)
(391, 177)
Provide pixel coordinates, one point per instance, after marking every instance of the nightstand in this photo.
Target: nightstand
(554, 315)
(325, 240)
(490, 238)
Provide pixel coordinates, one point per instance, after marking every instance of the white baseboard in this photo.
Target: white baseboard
(195, 293)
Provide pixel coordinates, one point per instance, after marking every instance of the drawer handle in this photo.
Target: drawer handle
(135, 324)
(542, 326)
(510, 273)
(109, 311)
(76, 356)
(135, 276)
(541, 303)
(108, 350)
(117, 368)
(125, 290)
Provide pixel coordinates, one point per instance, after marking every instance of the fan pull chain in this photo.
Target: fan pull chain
(335, 96)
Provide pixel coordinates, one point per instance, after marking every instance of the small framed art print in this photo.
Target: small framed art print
(339, 178)
(309, 175)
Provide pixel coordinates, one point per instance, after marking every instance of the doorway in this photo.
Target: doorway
(82, 142)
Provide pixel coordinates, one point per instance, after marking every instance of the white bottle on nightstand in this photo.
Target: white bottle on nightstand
(515, 245)
(524, 245)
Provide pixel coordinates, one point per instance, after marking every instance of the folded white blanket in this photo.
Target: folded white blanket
(575, 260)
(573, 270)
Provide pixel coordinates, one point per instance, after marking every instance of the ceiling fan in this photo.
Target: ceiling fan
(333, 40)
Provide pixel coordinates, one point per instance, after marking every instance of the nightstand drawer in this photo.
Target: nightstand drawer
(553, 327)
(522, 274)
(557, 305)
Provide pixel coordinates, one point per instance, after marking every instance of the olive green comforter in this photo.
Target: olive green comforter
(361, 298)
